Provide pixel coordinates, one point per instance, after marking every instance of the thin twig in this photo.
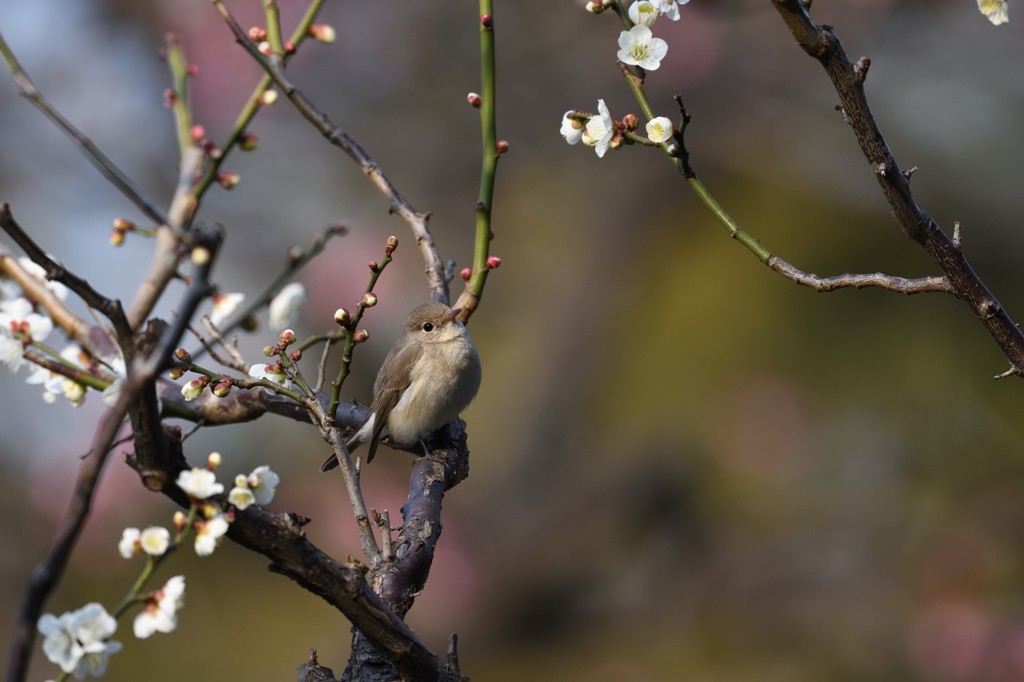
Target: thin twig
(333, 435)
(47, 573)
(469, 299)
(902, 285)
(105, 166)
(337, 136)
(77, 328)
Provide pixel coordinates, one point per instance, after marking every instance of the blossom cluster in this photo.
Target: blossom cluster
(79, 641)
(637, 47)
(23, 325)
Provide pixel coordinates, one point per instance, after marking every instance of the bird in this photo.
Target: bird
(430, 375)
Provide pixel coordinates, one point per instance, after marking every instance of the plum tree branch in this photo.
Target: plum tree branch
(822, 43)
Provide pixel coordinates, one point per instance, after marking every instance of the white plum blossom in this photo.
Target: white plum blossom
(73, 391)
(643, 13)
(256, 488)
(161, 611)
(263, 483)
(199, 483)
(12, 352)
(995, 10)
(572, 130)
(284, 308)
(224, 306)
(155, 540)
(130, 542)
(670, 8)
(19, 311)
(241, 497)
(79, 641)
(112, 393)
(57, 385)
(37, 273)
(209, 532)
(599, 130)
(93, 627)
(659, 129)
(59, 643)
(639, 47)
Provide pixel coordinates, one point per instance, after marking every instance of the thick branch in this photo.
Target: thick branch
(822, 43)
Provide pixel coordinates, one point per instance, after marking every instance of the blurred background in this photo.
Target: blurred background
(684, 466)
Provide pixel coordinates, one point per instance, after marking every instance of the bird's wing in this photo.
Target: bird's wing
(388, 390)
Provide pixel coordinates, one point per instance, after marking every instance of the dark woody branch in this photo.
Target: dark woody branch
(821, 42)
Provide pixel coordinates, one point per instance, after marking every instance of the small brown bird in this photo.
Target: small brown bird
(431, 374)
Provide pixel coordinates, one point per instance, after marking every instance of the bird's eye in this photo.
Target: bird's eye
(428, 326)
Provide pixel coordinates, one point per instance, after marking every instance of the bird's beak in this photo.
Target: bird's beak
(450, 315)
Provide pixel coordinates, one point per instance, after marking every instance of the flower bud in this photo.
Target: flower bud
(630, 121)
(466, 273)
(287, 338)
(360, 336)
(289, 47)
(169, 97)
(222, 388)
(179, 519)
(493, 262)
(192, 69)
(183, 355)
(213, 460)
(474, 100)
(248, 142)
(323, 32)
(270, 351)
(374, 267)
(227, 179)
(176, 373)
(210, 148)
(264, 48)
(369, 299)
(391, 245)
(257, 34)
(194, 388)
(502, 146)
(595, 7)
(486, 20)
(295, 355)
(116, 237)
(342, 317)
(123, 224)
(200, 256)
(268, 97)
